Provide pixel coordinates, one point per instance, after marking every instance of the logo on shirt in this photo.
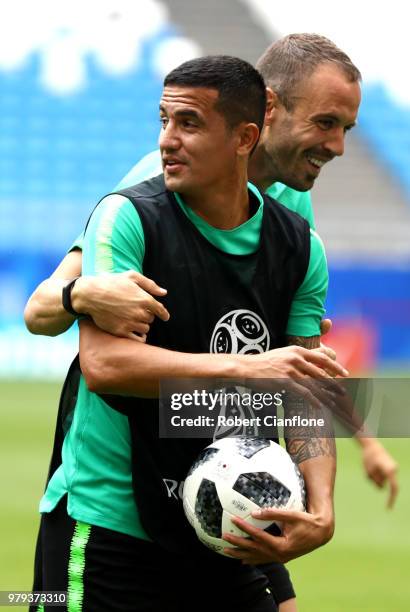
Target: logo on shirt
(240, 332)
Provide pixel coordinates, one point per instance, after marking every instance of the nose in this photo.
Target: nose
(335, 142)
(169, 138)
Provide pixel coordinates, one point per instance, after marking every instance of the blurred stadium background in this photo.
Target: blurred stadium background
(80, 84)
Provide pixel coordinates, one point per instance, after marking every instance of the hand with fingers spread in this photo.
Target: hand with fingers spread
(121, 304)
(302, 532)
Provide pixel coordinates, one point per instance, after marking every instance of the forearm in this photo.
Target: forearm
(44, 313)
(314, 454)
(363, 442)
(316, 458)
(121, 366)
(319, 473)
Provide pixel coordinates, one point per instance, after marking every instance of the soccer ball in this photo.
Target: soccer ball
(233, 477)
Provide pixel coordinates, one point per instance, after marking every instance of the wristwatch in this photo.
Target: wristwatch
(66, 297)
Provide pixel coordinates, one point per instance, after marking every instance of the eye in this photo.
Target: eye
(163, 121)
(325, 124)
(189, 124)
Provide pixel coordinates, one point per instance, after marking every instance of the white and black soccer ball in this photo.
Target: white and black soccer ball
(233, 477)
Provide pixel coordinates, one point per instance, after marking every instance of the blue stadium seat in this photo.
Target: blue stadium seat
(386, 126)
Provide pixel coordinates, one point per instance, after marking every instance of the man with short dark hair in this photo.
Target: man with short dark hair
(201, 231)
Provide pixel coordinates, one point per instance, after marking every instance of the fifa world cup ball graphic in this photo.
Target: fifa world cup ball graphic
(240, 332)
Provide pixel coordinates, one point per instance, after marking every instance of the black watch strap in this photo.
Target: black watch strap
(66, 297)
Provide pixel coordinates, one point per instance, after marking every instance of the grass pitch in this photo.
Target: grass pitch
(363, 569)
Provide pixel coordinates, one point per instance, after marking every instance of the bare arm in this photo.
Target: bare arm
(121, 366)
(379, 465)
(117, 365)
(316, 458)
(120, 304)
(44, 312)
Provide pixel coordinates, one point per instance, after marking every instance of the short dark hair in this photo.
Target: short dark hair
(241, 89)
(292, 59)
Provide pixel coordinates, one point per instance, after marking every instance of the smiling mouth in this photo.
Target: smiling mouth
(317, 163)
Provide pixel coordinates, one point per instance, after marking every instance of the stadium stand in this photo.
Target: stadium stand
(385, 125)
(221, 27)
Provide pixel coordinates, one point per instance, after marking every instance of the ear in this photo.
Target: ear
(272, 104)
(248, 136)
